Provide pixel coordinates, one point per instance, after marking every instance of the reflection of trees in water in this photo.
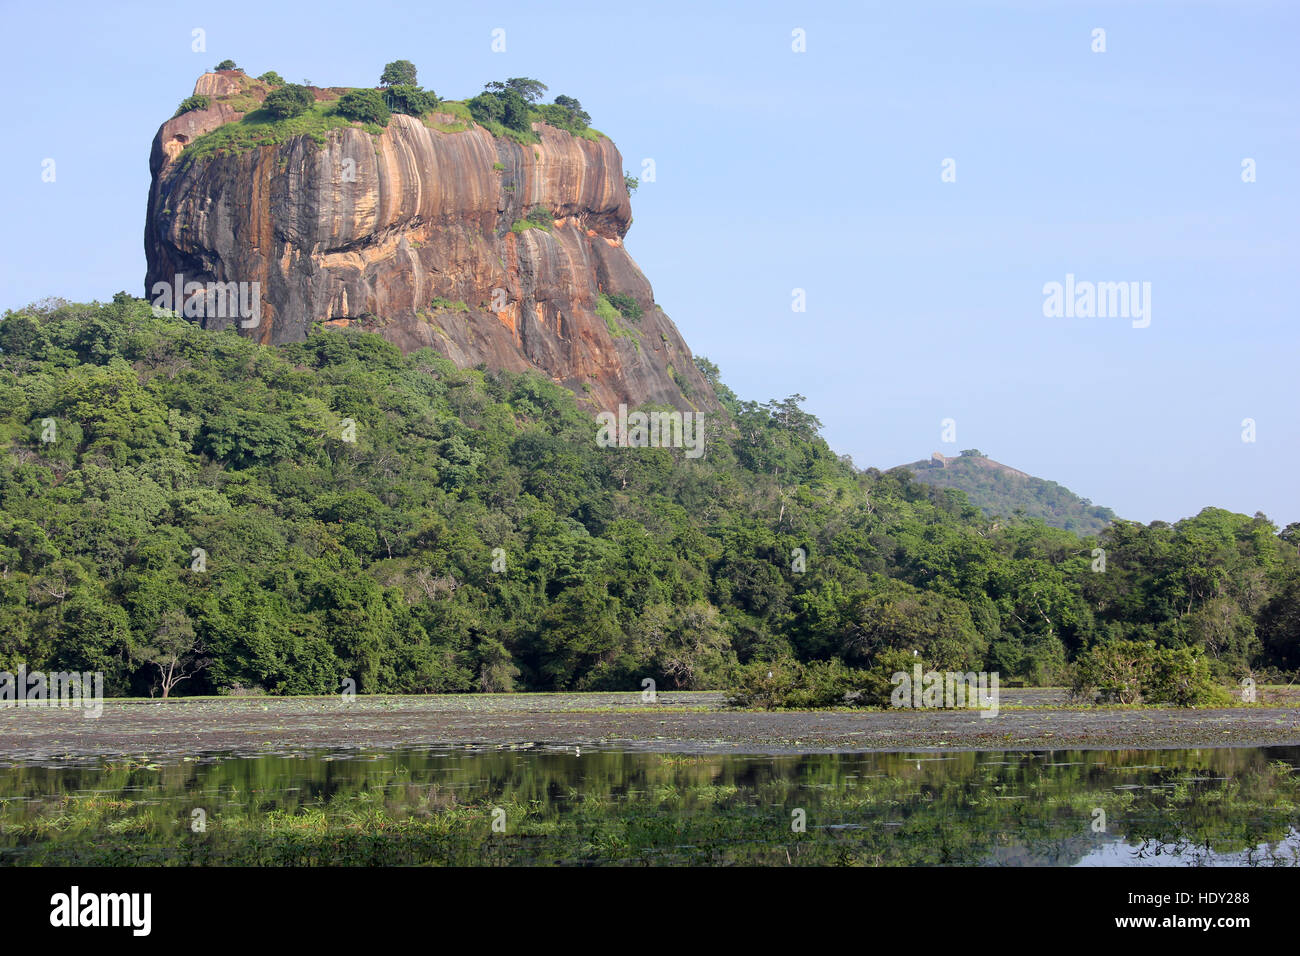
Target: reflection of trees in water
(960, 808)
(1189, 850)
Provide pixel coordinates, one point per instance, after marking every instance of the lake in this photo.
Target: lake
(547, 804)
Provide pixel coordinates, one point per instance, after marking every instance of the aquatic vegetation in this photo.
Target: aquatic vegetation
(545, 806)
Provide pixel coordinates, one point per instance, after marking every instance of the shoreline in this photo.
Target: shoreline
(679, 723)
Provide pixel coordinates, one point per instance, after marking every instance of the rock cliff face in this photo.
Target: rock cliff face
(409, 234)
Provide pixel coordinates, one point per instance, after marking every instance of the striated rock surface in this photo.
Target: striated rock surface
(409, 234)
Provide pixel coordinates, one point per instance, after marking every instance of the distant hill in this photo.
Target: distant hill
(998, 489)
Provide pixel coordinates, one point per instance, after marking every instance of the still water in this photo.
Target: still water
(549, 805)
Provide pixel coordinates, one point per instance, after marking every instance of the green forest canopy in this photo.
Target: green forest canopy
(288, 517)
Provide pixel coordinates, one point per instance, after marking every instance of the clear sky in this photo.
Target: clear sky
(821, 170)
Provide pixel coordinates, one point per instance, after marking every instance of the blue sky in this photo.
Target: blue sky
(821, 170)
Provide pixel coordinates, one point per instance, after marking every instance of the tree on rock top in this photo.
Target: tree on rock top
(531, 90)
(288, 101)
(410, 100)
(196, 102)
(364, 105)
(508, 103)
(398, 73)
